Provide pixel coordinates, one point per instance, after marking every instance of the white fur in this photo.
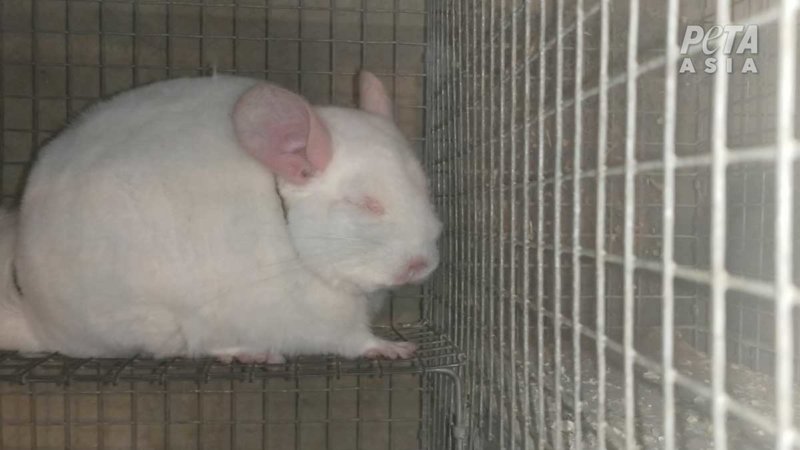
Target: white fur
(14, 329)
(146, 228)
(364, 250)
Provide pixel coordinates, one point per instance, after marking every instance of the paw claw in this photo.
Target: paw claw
(391, 350)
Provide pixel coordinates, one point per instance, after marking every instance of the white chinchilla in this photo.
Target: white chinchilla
(216, 216)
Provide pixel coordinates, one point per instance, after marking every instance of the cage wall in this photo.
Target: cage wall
(620, 261)
(59, 56)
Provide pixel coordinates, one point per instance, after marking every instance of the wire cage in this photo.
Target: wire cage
(620, 257)
(621, 262)
(58, 57)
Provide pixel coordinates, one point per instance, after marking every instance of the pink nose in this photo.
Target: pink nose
(417, 265)
(413, 270)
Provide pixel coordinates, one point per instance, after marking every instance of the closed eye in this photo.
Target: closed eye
(370, 205)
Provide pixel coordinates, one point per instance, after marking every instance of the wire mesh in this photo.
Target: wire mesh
(283, 413)
(59, 56)
(435, 351)
(620, 263)
(621, 255)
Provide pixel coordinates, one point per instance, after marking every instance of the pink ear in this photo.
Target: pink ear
(282, 131)
(372, 95)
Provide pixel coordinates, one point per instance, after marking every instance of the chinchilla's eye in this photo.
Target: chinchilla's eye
(370, 205)
(373, 205)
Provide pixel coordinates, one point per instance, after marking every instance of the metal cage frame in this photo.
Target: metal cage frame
(59, 56)
(621, 256)
(621, 260)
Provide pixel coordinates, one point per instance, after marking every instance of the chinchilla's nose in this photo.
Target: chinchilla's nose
(417, 265)
(416, 268)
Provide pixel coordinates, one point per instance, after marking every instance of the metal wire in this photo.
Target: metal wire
(131, 43)
(600, 267)
(630, 203)
(784, 186)
(435, 351)
(140, 379)
(58, 57)
(576, 223)
(719, 161)
(526, 409)
(661, 206)
(540, 410)
(626, 206)
(557, 253)
(668, 241)
(511, 379)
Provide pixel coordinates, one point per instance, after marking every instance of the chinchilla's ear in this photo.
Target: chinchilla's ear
(372, 96)
(282, 131)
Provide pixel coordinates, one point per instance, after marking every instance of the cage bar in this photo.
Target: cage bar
(602, 137)
(784, 186)
(718, 232)
(540, 410)
(668, 218)
(620, 250)
(576, 223)
(630, 202)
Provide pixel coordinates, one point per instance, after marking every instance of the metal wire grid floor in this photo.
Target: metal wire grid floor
(359, 412)
(435, 351)
(621, 263)
(50, 401)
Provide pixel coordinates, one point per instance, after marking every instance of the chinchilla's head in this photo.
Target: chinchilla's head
(356, 197)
